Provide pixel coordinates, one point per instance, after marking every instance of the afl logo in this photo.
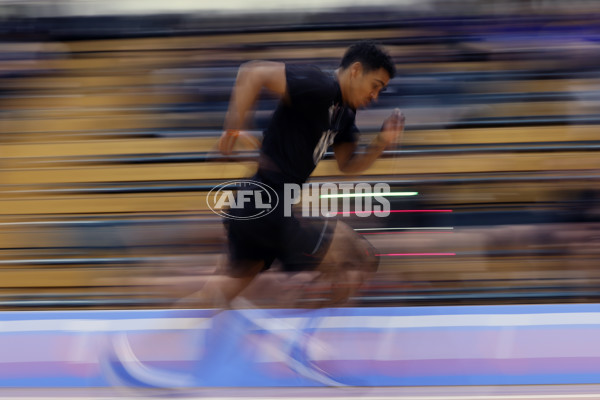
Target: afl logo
(255, 199)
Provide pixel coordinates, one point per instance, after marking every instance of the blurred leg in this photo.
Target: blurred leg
(220, 290)
(349, 262)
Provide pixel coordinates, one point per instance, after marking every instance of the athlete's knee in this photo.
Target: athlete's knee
(370, 258)
(352, 251)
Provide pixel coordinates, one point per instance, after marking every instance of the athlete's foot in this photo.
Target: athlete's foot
(124, 369)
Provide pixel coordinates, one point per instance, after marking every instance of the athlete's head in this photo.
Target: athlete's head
(365, 71)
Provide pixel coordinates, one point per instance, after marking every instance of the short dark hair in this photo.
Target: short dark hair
(370, 55)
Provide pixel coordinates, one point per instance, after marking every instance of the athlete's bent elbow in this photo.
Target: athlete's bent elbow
(264, 74)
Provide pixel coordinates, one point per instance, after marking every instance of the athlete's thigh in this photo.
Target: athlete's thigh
(350, 260)
(349, 250)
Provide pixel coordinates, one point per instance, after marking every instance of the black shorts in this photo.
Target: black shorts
(299, 243)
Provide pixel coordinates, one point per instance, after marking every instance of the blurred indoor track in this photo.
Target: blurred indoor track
(109, 127)
(538, 392)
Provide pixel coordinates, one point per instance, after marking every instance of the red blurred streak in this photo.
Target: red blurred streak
(391, 233)
(391, 211)
(415, 254)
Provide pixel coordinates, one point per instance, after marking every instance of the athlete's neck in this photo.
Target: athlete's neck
(343, 78)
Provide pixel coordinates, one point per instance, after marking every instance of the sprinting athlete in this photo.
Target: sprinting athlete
(316, 110)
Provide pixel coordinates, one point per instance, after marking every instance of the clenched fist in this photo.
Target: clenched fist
(392, 128)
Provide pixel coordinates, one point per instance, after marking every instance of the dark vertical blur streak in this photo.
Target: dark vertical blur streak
(108, 129)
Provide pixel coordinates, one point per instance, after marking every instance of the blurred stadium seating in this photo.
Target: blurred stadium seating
(109, 149)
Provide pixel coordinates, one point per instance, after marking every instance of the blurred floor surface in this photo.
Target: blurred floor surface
(554, 392)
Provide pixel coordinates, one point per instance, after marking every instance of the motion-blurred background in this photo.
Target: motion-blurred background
(110, 112)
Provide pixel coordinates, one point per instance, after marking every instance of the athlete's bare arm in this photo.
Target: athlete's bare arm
(252, 77)
(351, 162)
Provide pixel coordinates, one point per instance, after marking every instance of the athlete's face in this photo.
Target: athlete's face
(365, 86)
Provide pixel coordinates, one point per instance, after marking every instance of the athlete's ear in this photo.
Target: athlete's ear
(356, 69)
